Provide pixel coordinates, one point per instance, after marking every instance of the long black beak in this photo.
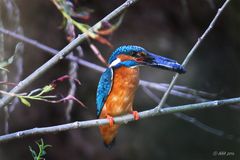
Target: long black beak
(162, 62)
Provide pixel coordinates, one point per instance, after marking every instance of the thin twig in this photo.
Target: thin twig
(3, 74)
(193, 120)
(118, 120)
(162, 87)
(190, 54)
(64, 52)
(73, 67)
(191, 91)
(52, 50)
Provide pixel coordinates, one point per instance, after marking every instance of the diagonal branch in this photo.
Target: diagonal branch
(193, 120)
(119, 120)
(190, 54)
(50, 50)
(64, 52)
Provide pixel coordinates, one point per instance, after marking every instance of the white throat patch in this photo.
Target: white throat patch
(115, 62)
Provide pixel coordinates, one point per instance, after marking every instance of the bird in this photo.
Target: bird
(118, 83)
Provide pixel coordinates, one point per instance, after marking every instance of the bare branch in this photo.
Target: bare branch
(194, 121)
(51, 50)
(191, 91)
(162, 87)
(73, 73)
(119, 120)
(190, 54)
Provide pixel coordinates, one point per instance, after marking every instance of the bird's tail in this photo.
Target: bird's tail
(108, 134)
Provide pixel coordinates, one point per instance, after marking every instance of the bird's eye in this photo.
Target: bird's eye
(134, 54)
(141, 54)
(138, 54)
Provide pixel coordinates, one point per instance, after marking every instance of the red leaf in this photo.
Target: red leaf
(105, 32)
(98, 54)
(103, 41)
(106, 28)
(63, 78)
(67, 98)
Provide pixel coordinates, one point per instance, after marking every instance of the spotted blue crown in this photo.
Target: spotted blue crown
(127, 50)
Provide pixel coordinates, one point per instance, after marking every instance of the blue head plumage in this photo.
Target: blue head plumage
(127, 50)
(140, 57)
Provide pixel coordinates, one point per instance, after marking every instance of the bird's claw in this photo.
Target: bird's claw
(110, 119)
(135, 115)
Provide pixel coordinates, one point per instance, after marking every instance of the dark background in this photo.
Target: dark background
(168, 28)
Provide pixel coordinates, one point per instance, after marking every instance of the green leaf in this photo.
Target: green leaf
(46, 146)
(25, 102)
(47, 88)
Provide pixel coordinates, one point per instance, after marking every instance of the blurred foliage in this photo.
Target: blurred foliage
(67, 10)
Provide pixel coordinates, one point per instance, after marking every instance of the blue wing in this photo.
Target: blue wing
(104, 88)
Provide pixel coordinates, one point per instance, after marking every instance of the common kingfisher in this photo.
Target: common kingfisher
(117, 85)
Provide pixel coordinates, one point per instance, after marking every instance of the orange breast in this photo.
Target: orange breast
(120, 99)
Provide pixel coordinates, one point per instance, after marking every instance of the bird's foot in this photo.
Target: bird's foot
(135, 115)
(110, 119)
